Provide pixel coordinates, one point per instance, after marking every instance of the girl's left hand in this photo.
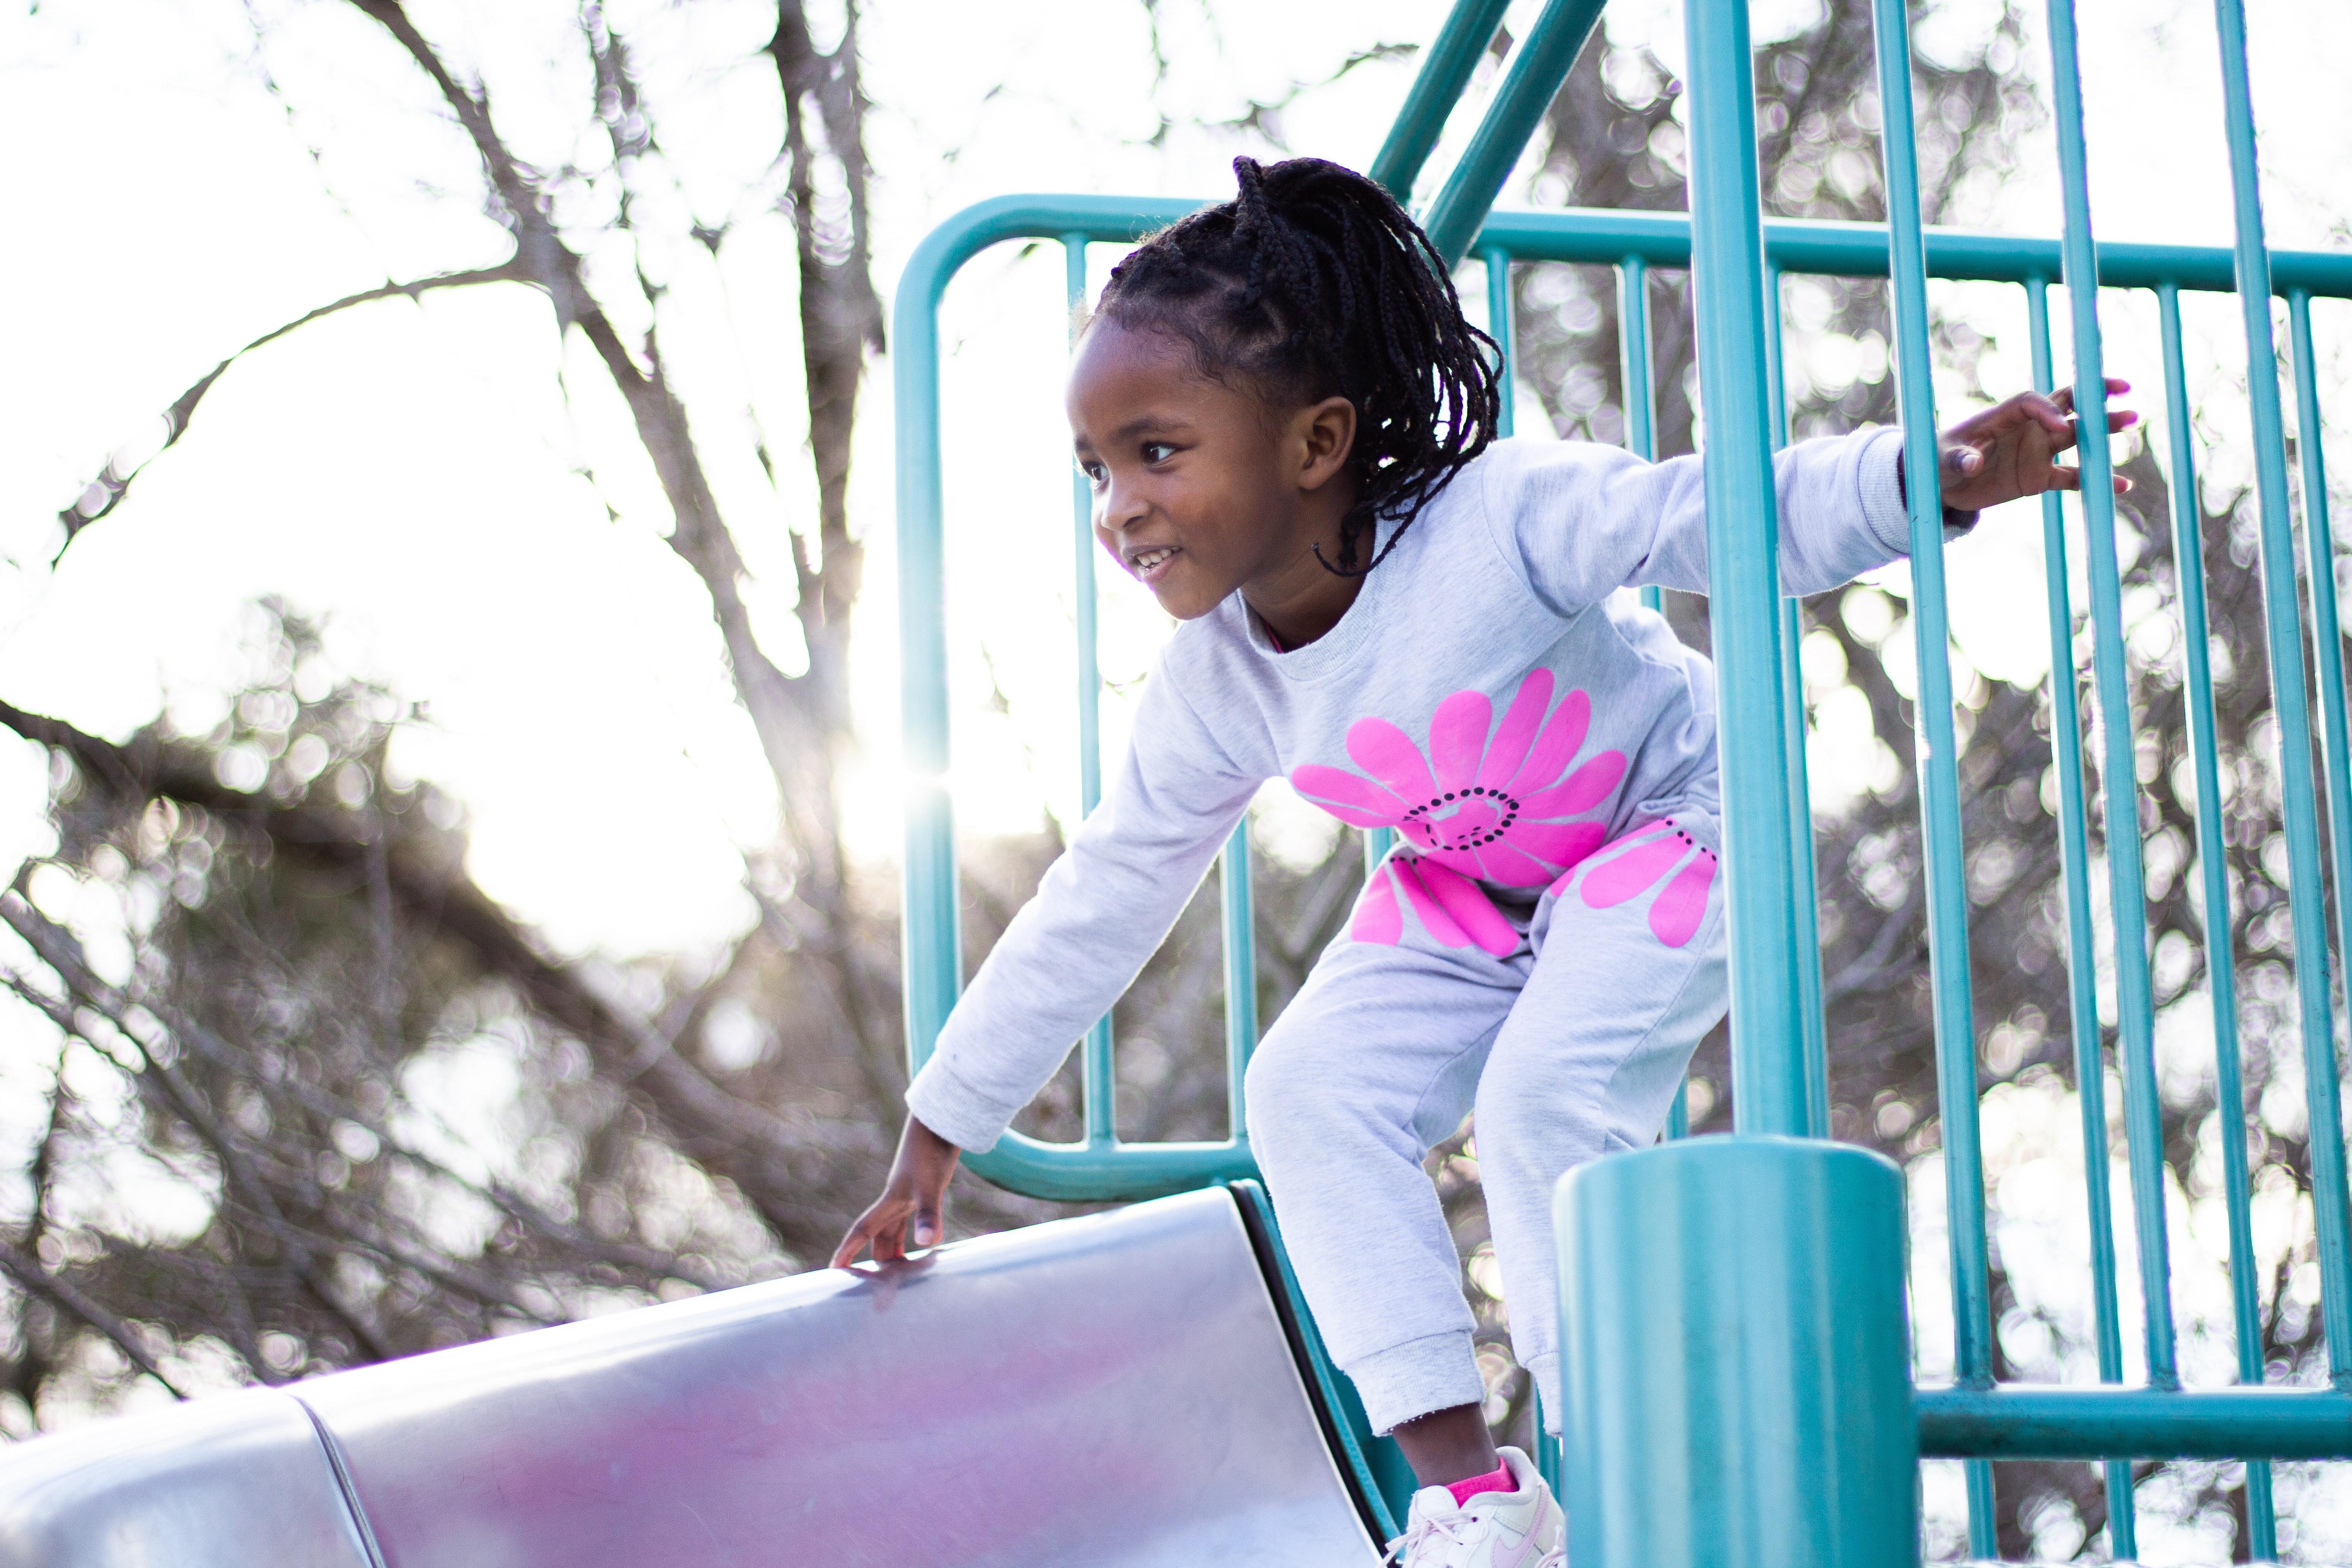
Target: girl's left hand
(2006, 451)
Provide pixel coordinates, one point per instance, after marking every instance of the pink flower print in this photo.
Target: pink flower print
(1640, 860)
(1488, 801)
(1453, 910)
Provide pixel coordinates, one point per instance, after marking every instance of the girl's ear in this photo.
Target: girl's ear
(1325, 432)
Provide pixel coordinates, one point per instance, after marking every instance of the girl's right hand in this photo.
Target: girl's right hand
(912, 1209)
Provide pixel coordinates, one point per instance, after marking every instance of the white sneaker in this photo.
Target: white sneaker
(1522, 1529)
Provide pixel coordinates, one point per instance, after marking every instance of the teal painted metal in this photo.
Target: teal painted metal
(2319, 576)
(2042, 1423)
(2119, 766)
(2081, 949)
(1436, 88)
(1633, 362)
(1778, 1429)
(1743, 567)
(2214, 871)
(2258, 272)
(1241, 967)
(1938, 750)
(1102, 1170)
(1813, 1020)
(1098, 1080)
(1604, 237)
(1537, 68)
(1498, 262)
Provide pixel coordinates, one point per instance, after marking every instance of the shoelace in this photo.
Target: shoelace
(1452, 1529)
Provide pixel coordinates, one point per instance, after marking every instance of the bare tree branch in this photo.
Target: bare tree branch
(27, 1271)
(105, 491)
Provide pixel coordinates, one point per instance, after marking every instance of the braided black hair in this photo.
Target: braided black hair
(1313, 283)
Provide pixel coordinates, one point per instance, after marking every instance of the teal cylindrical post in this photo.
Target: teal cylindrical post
(1735, 1358)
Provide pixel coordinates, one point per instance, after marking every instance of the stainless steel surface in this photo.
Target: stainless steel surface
(1114, 1392)
(1111, 1390)
(226, 1482)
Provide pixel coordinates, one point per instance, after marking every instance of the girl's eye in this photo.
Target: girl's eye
(1094, 473)
(1158, 451)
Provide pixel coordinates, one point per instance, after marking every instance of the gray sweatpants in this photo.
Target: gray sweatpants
(1568, 1021)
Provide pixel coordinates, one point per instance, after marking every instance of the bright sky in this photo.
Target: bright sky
(412, 472)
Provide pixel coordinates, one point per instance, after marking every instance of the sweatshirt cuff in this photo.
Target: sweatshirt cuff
(1884, 458)
(958, 1112)
(1884, 512)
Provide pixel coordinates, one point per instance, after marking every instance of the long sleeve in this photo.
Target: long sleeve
(1099, 913)
(1583, 520)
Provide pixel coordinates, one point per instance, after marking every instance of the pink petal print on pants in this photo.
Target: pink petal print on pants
(1378, 919)
(1472, 910)
(1433, 918)
(1674, 918)
(1634, 872)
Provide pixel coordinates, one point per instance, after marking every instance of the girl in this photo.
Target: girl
(1288, 426)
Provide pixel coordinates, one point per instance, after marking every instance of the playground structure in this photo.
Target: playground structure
(1737, 1357)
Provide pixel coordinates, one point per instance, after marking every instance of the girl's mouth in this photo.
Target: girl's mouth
(1149, 565)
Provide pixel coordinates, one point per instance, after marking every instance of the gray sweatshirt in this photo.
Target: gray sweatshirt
(1490, 695)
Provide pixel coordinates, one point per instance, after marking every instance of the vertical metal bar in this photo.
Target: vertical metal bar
(2213, 867)
(1538, 65)
(1633, 361)
(1444, 71)
(1743, 566)
(1811, 1015)
(1937, 756)
(1098, 1079)
(2336, 750)
(1642, 441)
(2118, 769)
(1241, 971)
(2081, 949)
(930, 934)
(2283, 641)
(1499, 327)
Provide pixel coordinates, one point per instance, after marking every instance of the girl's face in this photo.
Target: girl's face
(1202, 488)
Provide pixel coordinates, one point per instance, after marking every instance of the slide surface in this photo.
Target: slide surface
(1115, 1391)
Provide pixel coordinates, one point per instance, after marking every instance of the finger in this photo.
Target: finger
(2122, 485)
(2122, 419)
(927, 1226)
(2117, 383)
(890, 1239)
(1961, 462)
(854, 1242)
(2062, 479)
(2063, 398)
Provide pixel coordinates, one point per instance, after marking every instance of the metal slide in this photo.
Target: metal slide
(1121, 1391)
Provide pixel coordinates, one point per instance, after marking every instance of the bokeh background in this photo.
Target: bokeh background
(449, 799)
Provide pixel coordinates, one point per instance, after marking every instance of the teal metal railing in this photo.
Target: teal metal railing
(1779, 1077)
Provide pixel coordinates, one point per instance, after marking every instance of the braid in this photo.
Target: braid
(1313, 283)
